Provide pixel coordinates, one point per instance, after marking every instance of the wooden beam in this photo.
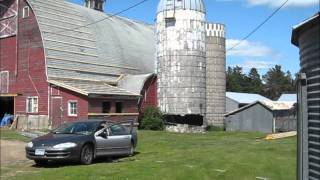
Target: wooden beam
(281, 135)
(8, 95)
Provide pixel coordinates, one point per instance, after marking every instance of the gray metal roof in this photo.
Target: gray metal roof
(102, 51)
(270, 105)
(91, 87)
(134, 83)
(245, 98)
(288, 97)
(296, 31)
(196, 5)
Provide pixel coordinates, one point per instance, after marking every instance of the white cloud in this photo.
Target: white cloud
(248, 49)
(277, 3)
(258, 64)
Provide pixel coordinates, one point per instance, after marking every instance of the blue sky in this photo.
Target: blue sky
(270, 45)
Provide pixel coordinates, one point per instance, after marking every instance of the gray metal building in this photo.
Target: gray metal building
(306, 36)
(235, 100)
(267, 117)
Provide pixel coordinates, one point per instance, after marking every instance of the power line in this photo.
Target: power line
(259, 26)
(103, 19)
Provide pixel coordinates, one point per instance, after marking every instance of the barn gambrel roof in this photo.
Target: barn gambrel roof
(100, 52)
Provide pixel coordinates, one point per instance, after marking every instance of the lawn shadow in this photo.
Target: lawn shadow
(100, 160)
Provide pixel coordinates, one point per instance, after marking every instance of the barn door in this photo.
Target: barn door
(56, 111)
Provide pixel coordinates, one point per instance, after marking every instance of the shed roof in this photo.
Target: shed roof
(91, 88)
(313, 21)
(270, 105)
(101, 51)
(288, 98)
(245, 98)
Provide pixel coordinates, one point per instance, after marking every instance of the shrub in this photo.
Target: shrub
(215, 128)
(152, 119)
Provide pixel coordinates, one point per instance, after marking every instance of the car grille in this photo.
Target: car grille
(50, 153)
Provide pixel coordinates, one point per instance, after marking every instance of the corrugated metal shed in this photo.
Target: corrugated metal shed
(306, 36)
(253, 117)
(102, 51)
(267, 116)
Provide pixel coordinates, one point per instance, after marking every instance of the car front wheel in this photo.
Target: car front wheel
(131, 153)
(86, 156)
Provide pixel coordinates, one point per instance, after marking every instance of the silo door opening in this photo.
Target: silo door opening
(190, 119)
(6, 106)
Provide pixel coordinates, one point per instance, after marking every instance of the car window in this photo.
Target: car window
(77, 128)
(118, 130)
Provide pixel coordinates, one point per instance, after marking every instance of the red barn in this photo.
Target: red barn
(56, 68)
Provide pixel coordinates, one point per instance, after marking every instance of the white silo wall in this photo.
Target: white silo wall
(181, 62)
(216, 74)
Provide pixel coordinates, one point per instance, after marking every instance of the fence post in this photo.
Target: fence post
(302, 122)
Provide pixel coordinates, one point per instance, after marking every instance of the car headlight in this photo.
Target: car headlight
(30, 145)
(65, 145)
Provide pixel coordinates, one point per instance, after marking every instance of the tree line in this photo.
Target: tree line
(271, 85)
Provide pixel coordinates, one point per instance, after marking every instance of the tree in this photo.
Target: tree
(255, 82)
(235, 79)
(277, 82)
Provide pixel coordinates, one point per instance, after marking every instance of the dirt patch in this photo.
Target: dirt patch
(12, 152)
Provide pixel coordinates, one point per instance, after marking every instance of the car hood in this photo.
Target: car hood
(52, 139)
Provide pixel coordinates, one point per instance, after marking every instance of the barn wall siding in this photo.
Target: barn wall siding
(8, 58)
(67, 95)
(31, 77)
(149, 94)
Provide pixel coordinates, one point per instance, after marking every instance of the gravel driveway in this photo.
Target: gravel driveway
(12, 152)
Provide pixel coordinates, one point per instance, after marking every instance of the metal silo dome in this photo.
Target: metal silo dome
(196, 5)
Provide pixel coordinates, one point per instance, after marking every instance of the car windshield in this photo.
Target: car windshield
(77, 128)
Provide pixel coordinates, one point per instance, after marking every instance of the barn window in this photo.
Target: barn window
(118, 107)
(32, 104)
(170, 22)
(106, 107)
(25, 12)
(72, 108)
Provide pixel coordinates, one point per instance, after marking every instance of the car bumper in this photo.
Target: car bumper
(53, 154)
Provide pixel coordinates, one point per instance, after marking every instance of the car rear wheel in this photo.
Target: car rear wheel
(40, 162)
(86, 156)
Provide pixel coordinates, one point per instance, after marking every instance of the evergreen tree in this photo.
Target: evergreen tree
(277, 82)
(255, 82)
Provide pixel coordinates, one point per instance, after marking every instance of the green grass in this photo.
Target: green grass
(12, 135)
(163, 155)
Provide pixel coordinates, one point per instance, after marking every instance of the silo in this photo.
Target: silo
(307, 37)
(181, 59)
(216, 74)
